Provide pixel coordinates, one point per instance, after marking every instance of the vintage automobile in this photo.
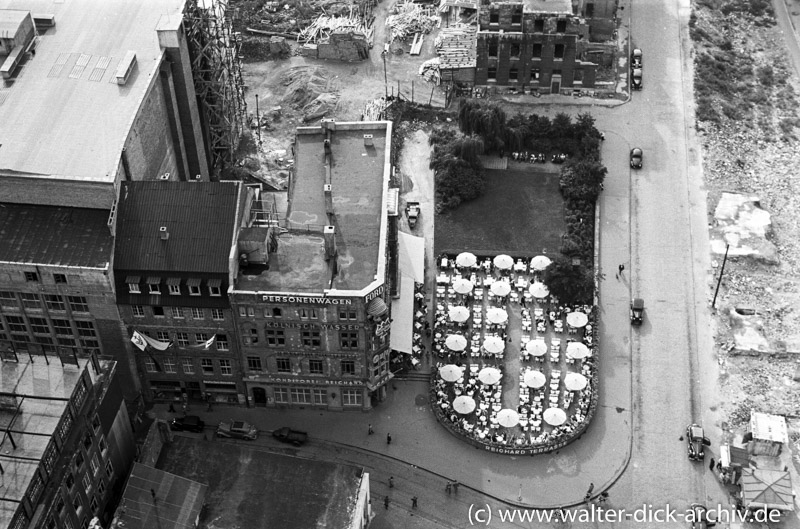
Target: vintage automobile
(190, 423)
(637, 311)
(636, 158)
(636, 59)
(636, 79)
(237, 430)
(696, 441)
(287, 435)
(412, 212)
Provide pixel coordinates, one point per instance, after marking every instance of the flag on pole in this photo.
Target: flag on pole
(142, 341)
(138, 340)
(207, 344)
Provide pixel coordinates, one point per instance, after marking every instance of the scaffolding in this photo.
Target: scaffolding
(215, 52)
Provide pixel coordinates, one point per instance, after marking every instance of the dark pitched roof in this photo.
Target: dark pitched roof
(54, 235)
(199, 217)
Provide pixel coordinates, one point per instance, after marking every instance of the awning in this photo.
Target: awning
(411, 256)
(133, 280)
(214, 283)
(153, 280)
(377, 307)
(193, 281)
(173, 281)
(403, 317)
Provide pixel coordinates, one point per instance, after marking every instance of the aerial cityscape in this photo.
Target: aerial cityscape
(399, 264)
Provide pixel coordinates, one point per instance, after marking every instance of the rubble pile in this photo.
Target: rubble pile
(429, 70)
(309, 90)
(408, 19)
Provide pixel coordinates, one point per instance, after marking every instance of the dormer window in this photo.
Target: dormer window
(154, 285)
(194, 286)
(174, 285)
(133, 284)
(214, 287)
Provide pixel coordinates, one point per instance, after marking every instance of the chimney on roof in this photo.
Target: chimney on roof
(328, 191)
(164, 233)
(328, 233)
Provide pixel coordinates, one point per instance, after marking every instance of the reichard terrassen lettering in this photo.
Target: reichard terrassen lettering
(319, 300)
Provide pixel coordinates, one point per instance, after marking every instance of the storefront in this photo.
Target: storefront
(300, 392)
(222, 392)
(166, 390)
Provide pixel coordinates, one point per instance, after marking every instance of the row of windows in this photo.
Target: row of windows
(178, 313)
(315, 366)
(173, 285)
(344, 313)
(49, 333)
(169, 365)
(53, 302)
(513, 74)
(34, 277)
(308, 338)
(538, 25)
(183, 338)
(515, 50)
(317, 397)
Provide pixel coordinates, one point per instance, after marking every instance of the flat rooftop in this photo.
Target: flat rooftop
(254, 488)
(359, 179)
(64, 116)
(560, 7)
(36, 417)
(50, 235)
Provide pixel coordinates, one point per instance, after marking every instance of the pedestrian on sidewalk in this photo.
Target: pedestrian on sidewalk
(448, 487)
(621, 269)
(455, 487)
(711, 465)
(589, 492)
(602, 497)
(171, 408)
(388, 438)
(391, 482)
(386, 502)
(370, 431)
(414, 502)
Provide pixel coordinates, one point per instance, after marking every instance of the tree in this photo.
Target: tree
(571, 284)
(582, 179)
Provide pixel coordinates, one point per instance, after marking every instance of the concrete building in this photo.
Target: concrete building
(173, 264)
(533, 44)
(66, 444)
(310, 297)
(57, 286)
(100, 93)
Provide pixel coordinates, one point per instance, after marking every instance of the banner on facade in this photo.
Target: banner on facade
(142, 341)
(207, 344)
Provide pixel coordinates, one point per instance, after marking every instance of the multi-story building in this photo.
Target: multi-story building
(535, 44)
(66, 443)
(310, 294)
(173, 258)
(56, 284)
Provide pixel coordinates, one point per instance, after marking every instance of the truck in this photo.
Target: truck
(287, 435)
(412, 212)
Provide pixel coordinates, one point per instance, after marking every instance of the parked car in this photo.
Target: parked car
(237, 430)
(636, 59)
(190, 423)
(287, 435)
(636, 78)
(696, 442)
(637, 311)
(636, 158)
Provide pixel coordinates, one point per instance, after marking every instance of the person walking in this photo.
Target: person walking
(602, 497)
(589, 492)
(455, 487)
(388, 438)
(621, 269)
(711, 464)
(414, 502)
(370, 431)
(386, 502)
(448, 487)
(391, 482)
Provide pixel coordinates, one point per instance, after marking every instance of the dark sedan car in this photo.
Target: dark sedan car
(696, 442)
(190, 423)
(636, 158)
(636, 78)
(287, 435)
(636, 59)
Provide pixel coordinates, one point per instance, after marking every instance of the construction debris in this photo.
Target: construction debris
(416, 46)
(410, 18)
(374, 110)
(324, 26)
(429, 70)
(456, 45)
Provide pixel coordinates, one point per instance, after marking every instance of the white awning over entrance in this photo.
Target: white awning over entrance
(403, 317)
(411, 256)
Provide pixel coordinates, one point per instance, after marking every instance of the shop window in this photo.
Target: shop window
(138, 311)
(183, 339)
(348, 314)
(207, 365)
(301, 395)
(281, 395)
(351, 397)
(311, 339)
(254, 363)
(31, 276)
(561, 26)
(493, 49)
(222, 342)
(275, 337)
(492, 73)
(348, 367)
(284, 365)
(494, 18)
(538, 26)
(217, 314)
(558, 52)
(31, 301)
(169, 365)
(187, 364)
(315, 367)
(225, 367)
(320, 397)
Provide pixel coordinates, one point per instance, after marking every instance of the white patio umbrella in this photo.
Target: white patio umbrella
(503, 262)
(455, 342)
(464, 404)
(497, 316)
(534, 379)
(555, 416)
(536, 347)
(507, 418)
(490, 375)
(450, 372)
(577, 350)
(459, 314)
(466, 259)
(539, 290)
(575, 381)
(577, 319)
(501, 288)
(540, 262)
(494, 345)
(462, 286)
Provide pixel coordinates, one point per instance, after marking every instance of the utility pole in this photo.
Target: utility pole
(721, 271)
(258, 121)
(385, 79)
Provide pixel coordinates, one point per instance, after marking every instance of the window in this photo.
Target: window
(254, 363)
(201, 338)
(77, 505)
(225, 366)
(301, 395)
(102, 445)
(60, 505)
(538, 26)
(93, 504)
(492, 73)
(16, 324)
(207, 365)
(493, 49)
(351, 397)
(577, 76)
(65, 426)
(311, 339)
(87, 441)
(315, 367)
(78, 304)
(306, 314)
(198, 314)
(348, 367)
(183, 339)
(513, 74)
(94, 463)
(281, 395)
(174, 290)
(169, 365)
(149, 365)
(66, 341)
(31, 301)
(217, 314)
(320, 396)
(69, 482)
(561, 26)
(348, 314)
(275, 337)
(252, 336)
(222, 342)
(87, 483)
(101, 486)
(49, 457)
(133, 288)
(177, 312)
(494, 18)
(43, 340)
(39, 325)
(559, 51)
(95, 423)
(188, 366)
(348, 339)
(535, 74)
(109, 469)
(214, 291)
(158, 311)
(31, 276)
(243, 311)
(277, 313)
(515, 50)
(8, 299)
(194, 290)
(154, 287)
(284, 365)
(516, 19)
(138, 311)
(537, 50)
(60, 279)
(62, 327)
(86, 328)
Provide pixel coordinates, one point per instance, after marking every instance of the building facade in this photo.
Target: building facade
(311, 294)
(67, 445)
(172, 258)
(535, 44)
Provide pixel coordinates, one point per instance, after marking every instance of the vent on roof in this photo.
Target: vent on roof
(126, 67)
(329, 236)
(164, 176)
(368, 140)
(164, 233)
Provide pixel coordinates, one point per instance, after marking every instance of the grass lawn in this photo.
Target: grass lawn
(520, 213)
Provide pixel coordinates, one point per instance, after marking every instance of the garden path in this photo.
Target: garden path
(511, 357)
